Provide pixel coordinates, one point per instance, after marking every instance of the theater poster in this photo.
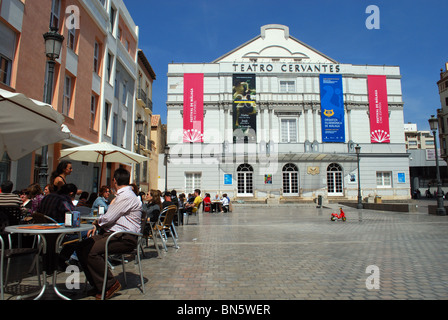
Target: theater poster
(193, 113)
(332, 108)
(378, 109)
(244, 107)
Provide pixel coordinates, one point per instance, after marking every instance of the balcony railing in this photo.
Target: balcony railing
(144, 98)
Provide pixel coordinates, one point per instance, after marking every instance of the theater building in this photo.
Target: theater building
(275, 120)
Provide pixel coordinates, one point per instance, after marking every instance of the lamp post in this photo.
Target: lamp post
(53, 45)
(167, 153)
(139, 128)
(433, 124)
(358, 151)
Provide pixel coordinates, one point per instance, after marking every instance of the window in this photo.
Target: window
(125, 94)
(67, 96)
(5, 70)
(109, 67)
(290, 180)
(245, 180)
(287, 86)
(112, 19)
(55, 13)
(289, 130)
(334, 180)
(107, 115)
(7, 50)
(192, 181)
(103, 2)
(115, 129)
(96, 54)
(71, 38)
(384, 179)
(93, 104)
(123, 133)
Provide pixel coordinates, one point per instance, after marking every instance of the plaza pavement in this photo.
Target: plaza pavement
(293, 252)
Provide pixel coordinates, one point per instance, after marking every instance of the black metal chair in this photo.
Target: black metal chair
(12, 216)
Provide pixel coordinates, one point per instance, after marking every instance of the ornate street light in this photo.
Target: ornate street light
(358, 151)
(433, 124)
(139, 128)
(53, 45)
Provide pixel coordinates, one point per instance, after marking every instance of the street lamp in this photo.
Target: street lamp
(139, 128)
(53, 45)
(167, 153)
(358, 151)
(433, 124)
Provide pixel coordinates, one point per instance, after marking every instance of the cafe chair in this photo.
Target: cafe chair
(162, 227)
(138, 257)
(190, 212)
(10, 253)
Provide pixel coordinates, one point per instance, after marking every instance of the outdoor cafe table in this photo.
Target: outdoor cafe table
(48, 229)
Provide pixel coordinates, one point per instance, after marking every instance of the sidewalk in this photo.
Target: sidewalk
(295, 252)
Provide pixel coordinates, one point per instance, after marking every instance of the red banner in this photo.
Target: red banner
(193, 107)
(379, 109)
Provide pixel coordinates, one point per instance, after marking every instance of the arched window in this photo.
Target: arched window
(245, 180)
(334, 180)
(290, 180)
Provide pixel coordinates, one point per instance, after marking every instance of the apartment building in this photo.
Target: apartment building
(143, 142)
(95, 78)
(442, 113)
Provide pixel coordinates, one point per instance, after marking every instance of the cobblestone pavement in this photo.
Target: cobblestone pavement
(293, 252)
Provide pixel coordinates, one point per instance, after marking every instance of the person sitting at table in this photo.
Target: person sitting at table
(123, 214)
(193, 207)
(55, 205)
(181, 207)
(207, 202)
(152, 206)
(82, 202)
(166, 199)
(7, 198)
(225, 203)
(102, 200)
(36, 196)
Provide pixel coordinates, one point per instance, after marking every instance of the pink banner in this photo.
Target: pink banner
(379, 109)
(193, 107)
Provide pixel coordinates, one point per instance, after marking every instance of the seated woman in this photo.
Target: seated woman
(102, 200)
(207, 203)
(152, 206)
(225, 203)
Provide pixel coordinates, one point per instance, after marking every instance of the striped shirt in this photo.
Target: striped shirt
(10, 200)
(124, 213)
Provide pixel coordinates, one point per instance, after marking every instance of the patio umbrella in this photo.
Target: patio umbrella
(100, 153)
(27, 124)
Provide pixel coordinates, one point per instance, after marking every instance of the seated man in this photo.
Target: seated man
(55, 205)
(7, 198)
(123, 214)
(193, 207)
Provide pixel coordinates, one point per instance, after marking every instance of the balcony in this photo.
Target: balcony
(143, 101)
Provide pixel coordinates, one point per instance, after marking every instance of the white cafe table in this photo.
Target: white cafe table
(46, 229)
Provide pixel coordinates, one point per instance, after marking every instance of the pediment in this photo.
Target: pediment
(275, 42)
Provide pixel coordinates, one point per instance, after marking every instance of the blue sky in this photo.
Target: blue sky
(412, 35)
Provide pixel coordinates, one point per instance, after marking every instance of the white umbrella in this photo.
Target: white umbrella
(100, 153)
(27, 124)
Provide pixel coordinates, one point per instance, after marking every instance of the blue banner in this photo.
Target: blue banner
(332, 108)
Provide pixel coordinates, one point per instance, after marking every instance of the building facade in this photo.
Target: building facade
(143, 109)
(442, 113)
(276, 120)
(95, 79)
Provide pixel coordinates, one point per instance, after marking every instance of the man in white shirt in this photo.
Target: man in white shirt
(123, 214)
